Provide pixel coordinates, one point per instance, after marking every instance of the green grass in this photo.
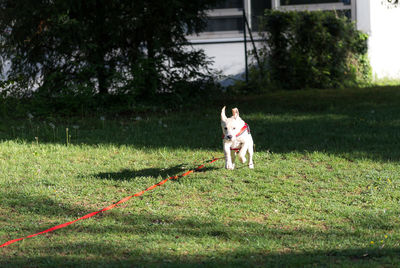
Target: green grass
(324, 191)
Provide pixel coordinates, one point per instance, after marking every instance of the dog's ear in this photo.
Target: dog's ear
(223, 115)
(235, 113)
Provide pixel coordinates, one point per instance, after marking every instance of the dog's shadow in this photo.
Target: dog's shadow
(127, 174)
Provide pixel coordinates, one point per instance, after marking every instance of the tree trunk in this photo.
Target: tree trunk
(100, 53)
(151, 77)
(102, 80)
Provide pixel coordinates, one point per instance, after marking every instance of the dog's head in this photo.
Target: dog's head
(231, 126)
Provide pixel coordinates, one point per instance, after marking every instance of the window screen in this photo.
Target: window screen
(224, 24)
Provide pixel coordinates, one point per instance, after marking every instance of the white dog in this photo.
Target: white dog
(236, 139)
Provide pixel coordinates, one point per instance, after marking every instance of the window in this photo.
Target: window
(341, 7)
(309, 2)
(230, 4)
(226, 19)
(257, 10)
(228, 15)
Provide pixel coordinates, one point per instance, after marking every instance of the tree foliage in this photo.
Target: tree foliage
(101, 46)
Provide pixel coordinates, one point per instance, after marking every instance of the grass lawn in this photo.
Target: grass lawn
(324, 191)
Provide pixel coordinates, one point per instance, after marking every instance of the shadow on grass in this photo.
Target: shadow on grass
(37, 204)
(236, 258)
(128, 174)
(164, 173)
(128, 242)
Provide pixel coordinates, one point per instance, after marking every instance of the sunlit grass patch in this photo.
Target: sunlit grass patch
(324, 191)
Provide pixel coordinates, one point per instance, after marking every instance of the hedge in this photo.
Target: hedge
(313, 50)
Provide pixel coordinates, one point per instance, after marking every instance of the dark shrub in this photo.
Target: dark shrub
(313, 50)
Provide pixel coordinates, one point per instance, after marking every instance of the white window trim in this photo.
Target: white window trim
(223, 13)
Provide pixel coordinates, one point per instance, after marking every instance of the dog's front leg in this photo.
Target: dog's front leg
(228, 156)
(233, 157)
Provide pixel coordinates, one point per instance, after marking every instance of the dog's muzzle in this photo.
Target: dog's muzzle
(244, 128)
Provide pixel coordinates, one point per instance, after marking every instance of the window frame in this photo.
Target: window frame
(236, 35)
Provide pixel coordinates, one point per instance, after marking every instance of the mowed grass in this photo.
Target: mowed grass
(324, 191)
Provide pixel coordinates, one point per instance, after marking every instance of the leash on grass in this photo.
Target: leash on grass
(115, 204)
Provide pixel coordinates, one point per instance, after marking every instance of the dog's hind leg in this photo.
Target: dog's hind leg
(251, 151)
(242, 153)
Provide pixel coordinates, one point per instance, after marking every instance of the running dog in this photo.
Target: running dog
(236, 139)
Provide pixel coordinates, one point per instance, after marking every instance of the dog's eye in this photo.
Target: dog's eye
(234, 128)
(225, 128)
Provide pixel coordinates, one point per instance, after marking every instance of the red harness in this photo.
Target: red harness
(244, 128)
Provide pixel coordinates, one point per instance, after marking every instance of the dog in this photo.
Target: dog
(236, 139)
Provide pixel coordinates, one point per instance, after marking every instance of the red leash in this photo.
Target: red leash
(111, 206)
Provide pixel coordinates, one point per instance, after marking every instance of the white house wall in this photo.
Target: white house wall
(381, 20)
(228, 58)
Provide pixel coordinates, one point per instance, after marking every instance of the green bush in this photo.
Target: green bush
(312, 50)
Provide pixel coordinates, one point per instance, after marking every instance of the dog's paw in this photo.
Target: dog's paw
(242, 159)
(251, 165)
(230, 166)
